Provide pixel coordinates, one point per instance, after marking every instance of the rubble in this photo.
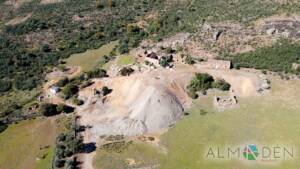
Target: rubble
(225, 102)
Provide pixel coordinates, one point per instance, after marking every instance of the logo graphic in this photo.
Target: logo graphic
(250, 152)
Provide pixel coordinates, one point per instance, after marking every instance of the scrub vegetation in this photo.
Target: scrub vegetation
(279, 57)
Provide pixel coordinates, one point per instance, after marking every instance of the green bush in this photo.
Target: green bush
(62, 82)
(48, 109)
(278, 58)
(165, 60)
(201, 82)
(77, 101)
(70, 90)
(3, 126)
(59, 163)
(99, 73)
(189, 60)
(72, 164)
(5, 85)
(106, 90)
(126, 71)
(221, 84)
(62, 108)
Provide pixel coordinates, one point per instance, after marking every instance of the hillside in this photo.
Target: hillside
(127, 72)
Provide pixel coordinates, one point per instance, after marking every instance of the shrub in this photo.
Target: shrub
(62, 108)
(126, 71)
(222, 85)
(61, 137)
(59, 163)
(278, 58)
(72, 164)
(165, 60)
(106, 90)
(99, 73)
(62, 82)
(24, 83)
(48, 109)
(123, 47)
(5, 85)
(170, 50)
(193, 94)
(189, 60)
(70, 90)
(201, 82)
(77, 101)
(3, 126)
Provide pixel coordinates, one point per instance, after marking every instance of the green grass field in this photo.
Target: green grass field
(135, 155)
(125, 60)
(28, 144)
(90, 59)
(270, 120)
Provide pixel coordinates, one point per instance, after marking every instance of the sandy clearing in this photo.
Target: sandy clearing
(45, 2)
(18, 20)
(16, 3)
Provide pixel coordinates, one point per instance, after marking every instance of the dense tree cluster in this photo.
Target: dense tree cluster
(23, 64)
(278, 58)
(202, 82)
(48, 109)
(98, 73)
(67, 145)
(70, 90)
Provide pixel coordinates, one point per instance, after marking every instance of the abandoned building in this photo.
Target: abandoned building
(54, 89)
(225, 102)
(217, 64)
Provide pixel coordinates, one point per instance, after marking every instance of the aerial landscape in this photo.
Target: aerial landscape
(150, 84)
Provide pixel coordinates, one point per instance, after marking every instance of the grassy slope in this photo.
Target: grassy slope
(20, 144)
(125, 60)
(143, 155)
(90, 59)
(261, 120)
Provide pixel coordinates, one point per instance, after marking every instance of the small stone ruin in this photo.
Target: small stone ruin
(225, 102)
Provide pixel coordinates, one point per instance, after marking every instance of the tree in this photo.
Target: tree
(48, 109)
(3, 126)
(70, 90)
(166, 60)
(99, 73)
(201, 82)
(106, 90)
(62, 108)
(59, 162)
(72, 164)
(5, 85)
(126, 71)
(222, 85)
(77, 101)
(62, 82)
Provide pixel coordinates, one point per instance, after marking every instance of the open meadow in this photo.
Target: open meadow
(90, 59)
(30, 143)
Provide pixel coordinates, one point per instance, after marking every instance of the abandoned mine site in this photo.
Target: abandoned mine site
(150, 84)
